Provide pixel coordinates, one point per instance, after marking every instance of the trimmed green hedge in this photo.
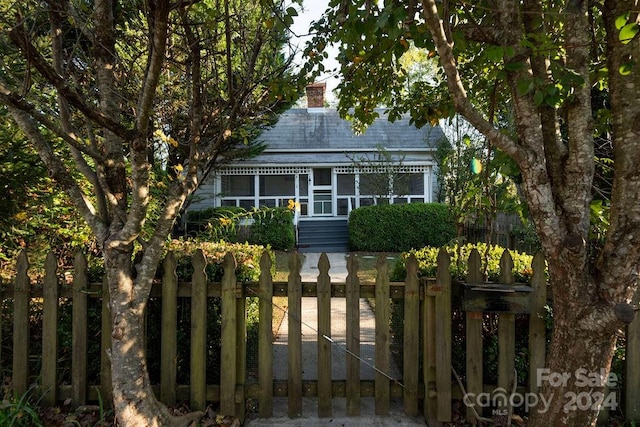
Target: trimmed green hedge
(427, 262)
(398, 228)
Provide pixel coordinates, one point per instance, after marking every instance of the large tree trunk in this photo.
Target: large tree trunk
(134, 401)
(578, 366)
(578, 360)
(555, 153)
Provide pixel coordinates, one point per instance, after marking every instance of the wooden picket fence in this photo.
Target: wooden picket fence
(427, 386)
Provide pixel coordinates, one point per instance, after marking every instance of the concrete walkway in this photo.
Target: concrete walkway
(338, 273)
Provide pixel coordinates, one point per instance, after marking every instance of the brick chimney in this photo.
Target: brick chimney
(315, 95)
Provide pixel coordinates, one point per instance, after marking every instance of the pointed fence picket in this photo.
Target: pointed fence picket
(426, 386)
(294, 340)
(265, 338)
(324, 345)
(352, 306)
(49, 337)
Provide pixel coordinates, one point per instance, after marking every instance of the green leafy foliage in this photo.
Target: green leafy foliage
(273, 227)
(266, 226)
(427, 262)
(247, 258)
(526, 239)
(396, 228)
(34, 214)
(599, 219)
(628, 32)
(213, 222)
(475, 179)
(373, 39)
(19, 411)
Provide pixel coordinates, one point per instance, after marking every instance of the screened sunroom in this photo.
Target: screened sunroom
(326, 191)
(311, 158)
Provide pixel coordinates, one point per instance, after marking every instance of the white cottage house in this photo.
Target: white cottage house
(309, 158)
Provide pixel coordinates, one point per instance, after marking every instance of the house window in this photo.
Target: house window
(304, 207)
(237, 185)
(304, 184)
(322, 202)
(415, 183)
(322, 176)
(346, 185)
(367, 184)
(277, 185)
(366, 201)
(376, 185)
(343, 206)
(246, 203)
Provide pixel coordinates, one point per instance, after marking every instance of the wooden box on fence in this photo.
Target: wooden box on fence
(496, 298)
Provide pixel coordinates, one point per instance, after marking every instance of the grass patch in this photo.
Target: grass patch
(367, 262)
(282, 265)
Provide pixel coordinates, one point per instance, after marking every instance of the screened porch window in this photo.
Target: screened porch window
(278, 185)
(237, 185)
(346, 185)
(415, 183)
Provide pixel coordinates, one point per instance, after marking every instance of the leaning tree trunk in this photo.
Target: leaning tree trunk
(134, 401)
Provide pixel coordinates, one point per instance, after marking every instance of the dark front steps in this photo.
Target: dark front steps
(323, 236)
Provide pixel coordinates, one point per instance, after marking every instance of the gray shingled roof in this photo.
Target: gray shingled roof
(323, 129)
(344, 157)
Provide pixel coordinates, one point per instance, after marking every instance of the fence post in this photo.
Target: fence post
(294, 339)
(324, 331)
(383, 309)
(411, 339)
(265, 340)
(443, 336)
(473, 343)
(49, 370)
(430, 404)
(241, 343)
(506, 331)
(105, 343)
(21, 326)
(79, 331)
(352, 306)
(169, 331)
(537, 329)
(198, 364)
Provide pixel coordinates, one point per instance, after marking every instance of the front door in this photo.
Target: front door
(322, 192)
